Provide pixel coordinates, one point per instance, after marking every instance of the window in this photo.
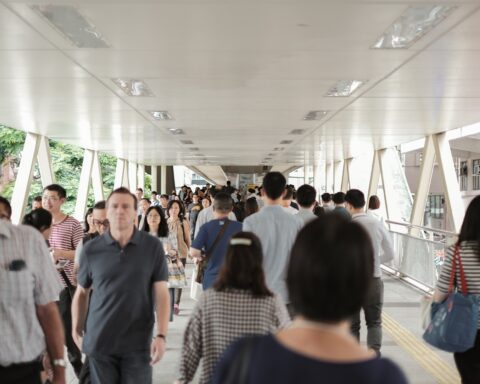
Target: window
(435, 203)
(476, 174)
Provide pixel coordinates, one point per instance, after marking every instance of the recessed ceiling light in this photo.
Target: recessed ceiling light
(73, 25)
(297, 132)
(412, 25)
(133, 87)
(176, 131)
(344, 88)
(285, 142)
(161, 115)
(278, 148)
(194, 149)
(315, 115)
(186, 142)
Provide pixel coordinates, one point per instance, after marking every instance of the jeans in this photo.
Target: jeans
(468, 363)
(373, 316)
(65, 307)
(24, 373)
(172, 300)
(128, 368)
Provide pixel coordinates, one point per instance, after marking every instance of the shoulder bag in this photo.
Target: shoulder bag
(454, 321)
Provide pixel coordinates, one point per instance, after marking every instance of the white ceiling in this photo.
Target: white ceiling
(237, 77)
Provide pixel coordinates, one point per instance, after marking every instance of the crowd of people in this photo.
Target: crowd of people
(285, 279)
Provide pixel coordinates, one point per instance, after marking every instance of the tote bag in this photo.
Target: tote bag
(176, 274)
(454, 321)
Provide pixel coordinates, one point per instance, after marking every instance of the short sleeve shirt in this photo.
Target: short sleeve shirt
(205, 239)
(121, 311)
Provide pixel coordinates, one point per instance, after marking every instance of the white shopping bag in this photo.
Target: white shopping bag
(196, 289)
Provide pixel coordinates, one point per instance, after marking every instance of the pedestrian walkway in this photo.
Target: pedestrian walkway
(402, 339)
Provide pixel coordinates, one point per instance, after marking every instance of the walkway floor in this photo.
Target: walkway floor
(402, 340)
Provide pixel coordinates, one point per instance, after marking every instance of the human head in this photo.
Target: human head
(330, 254)
(222, 205)
(155, 216)
(251, 206)
(88, 220)
(373, 202)
(195, 198)
(121, 209)
(205, 202)
(229, 183)
(37, 202)
(41, 220)
(242, 268)
(53, 197)
(306, 195)
(274, 185)
(99, 216)
(355, 200)
(144, 204)
(153, 196)
(139, 193)
(326, 198)
(339, 198)
(175, 208)
(164, 200)
(471, 223)
(5, 209)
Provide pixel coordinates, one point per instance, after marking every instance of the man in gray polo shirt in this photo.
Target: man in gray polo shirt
(127, 272)
(277, 231)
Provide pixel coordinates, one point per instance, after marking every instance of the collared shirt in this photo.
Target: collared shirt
(381, 240)
(120, 317)
(306, 215)
(207, 215)
(277, 231)
(35, 283)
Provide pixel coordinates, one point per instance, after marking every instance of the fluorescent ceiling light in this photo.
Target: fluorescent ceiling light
(315, 115)
(286, 142)
(344, 88)
(133, 87)
(297, 132)
(186, 142)
(413, 24)
(278, 149)
(176, 131)
(66, 19)
(161, 115)
(194, 149)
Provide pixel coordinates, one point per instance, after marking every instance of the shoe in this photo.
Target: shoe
(176, 309)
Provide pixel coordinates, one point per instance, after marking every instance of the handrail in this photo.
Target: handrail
(428, 229)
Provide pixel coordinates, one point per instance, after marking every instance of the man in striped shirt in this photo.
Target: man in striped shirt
(66, 234)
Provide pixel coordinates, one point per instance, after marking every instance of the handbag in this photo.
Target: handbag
(176, 273)
(202, 264)
(455, 320)
(196, 289)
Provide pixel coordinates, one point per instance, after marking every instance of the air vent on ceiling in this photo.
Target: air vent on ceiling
(161, 115)
(278, 148)
(176, 131)
(297, 132)
(285, 142)
(344, 88)
(133, 87)
(186, 142)
(315, 115)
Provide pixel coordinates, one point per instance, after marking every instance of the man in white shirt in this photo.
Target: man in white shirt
(306, 200)
(383, 252)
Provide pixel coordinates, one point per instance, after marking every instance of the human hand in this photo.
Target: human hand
(157, 350)
(78, 339)
(56, 253)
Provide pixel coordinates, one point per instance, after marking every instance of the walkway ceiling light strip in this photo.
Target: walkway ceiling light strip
(278, 148)
(133, 87)
(315, 115)
(73, 25)
(412, 25)
(176, 131)
(285, 142)
(161, 115)
(344, 88)
(297, 132)
(186, 142)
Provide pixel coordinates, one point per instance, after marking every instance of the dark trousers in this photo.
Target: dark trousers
(65, 307)
(129, 368)
(468, 363)
(373, 316)
(24, 373)
(172, 301)
(178, 291)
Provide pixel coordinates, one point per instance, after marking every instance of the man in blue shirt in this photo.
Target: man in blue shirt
(213, 238)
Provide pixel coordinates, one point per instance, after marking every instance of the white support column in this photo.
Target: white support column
(84, 185)
(97, 179)
(337, 176)
(121, 174)
(141, 176)
(45, 162)
(132, 176)
(374, 175)
(329, 177)
(305, 174)
(155, 183)
(426, 172)
(345, 185)
(387, 189)
(449, 178)
(163, 179)
(24, 177)
(316, 177)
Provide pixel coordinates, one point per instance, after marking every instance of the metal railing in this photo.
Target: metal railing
(419, 252)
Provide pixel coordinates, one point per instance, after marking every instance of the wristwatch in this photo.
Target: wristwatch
(59, 363)
(161, 336)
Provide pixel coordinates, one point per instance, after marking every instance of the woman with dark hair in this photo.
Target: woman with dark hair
(89, 228)
(373, 208)
(251, 206)
(468, 248)
(239, 304)
(40, 219)
(329, 272)
(179, 237)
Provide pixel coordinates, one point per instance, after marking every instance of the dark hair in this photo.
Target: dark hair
(164, 196)
(145, 199)
(274, 185)
(319, 211)
(470, 230)
(100, 205)
(326, 197)
(181, 214)
(163, 226)
(38, 199)
(212, 193)
(306, 195)
(154, 193)
(330, 269)
(242, 267)
(251, 190)
(355, 198)
(288, 193)
(338, 198)
(373, 202)
(124, 191)
(40, 219)
(223, 202)
(61, 192)
(139, 189)
(251, 206)
(5, 202)
(87, 226)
